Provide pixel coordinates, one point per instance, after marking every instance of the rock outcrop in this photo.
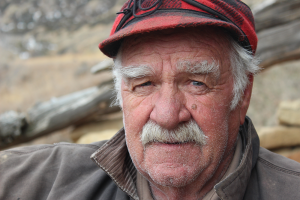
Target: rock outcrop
(284, 139)
(97, 131)
(289, 113)
(279, 136)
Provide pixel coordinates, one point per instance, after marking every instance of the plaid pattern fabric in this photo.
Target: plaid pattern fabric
(153, 15)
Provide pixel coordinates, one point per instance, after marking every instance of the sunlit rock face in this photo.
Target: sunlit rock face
(23, 16)
(38, 27)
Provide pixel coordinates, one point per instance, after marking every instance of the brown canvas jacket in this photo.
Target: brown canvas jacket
(65, 171)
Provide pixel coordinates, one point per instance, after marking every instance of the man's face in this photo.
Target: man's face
(171, 94)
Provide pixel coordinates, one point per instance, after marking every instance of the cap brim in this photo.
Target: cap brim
(164, 20)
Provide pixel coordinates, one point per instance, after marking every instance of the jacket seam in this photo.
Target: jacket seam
(95, 147)
(281, 169)
(25, 152)
(91, 146)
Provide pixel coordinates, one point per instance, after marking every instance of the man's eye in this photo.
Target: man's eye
(144, 88)
(196, 83)
(146, 84)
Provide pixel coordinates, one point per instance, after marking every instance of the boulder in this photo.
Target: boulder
(291, 153)
(102, 66)
(11, 125)
(96, 127)
(289, 113)
(97, 136)
(279, 136)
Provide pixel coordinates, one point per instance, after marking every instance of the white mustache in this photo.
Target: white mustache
(186, 132)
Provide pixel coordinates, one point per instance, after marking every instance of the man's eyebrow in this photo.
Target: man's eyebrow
(133, 72)
(197, 67)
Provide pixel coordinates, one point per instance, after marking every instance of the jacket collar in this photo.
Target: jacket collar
(234, 186)
(113, 157)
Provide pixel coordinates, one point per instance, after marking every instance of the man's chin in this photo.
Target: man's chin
(172, 164)
(173, 175)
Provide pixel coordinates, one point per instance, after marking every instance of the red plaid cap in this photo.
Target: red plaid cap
(141, 16)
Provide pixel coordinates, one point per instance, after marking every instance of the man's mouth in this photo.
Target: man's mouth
(176, 142)
(170, 145)
(170, 142)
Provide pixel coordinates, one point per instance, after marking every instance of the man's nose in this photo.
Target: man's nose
(169, 108)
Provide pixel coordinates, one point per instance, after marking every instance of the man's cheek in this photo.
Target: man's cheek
(131, 101)
(135, 148)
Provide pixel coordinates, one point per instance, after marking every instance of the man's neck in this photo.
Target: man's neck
(193, 190)
(199, 187)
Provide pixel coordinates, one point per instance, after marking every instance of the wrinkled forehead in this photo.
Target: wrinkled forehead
(210, 44)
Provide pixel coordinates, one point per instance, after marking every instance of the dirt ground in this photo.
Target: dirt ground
(26, 82)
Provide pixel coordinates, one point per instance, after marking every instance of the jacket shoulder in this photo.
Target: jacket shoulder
(274, 177)
(55, 152)
(52, 172)
(278, 163)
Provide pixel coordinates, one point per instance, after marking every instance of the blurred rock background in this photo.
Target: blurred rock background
(47, 50)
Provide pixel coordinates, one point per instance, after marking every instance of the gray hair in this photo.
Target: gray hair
(243, 63)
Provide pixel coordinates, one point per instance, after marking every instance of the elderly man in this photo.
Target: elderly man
(184, 73)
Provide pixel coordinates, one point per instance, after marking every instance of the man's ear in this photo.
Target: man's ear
(246, 99)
